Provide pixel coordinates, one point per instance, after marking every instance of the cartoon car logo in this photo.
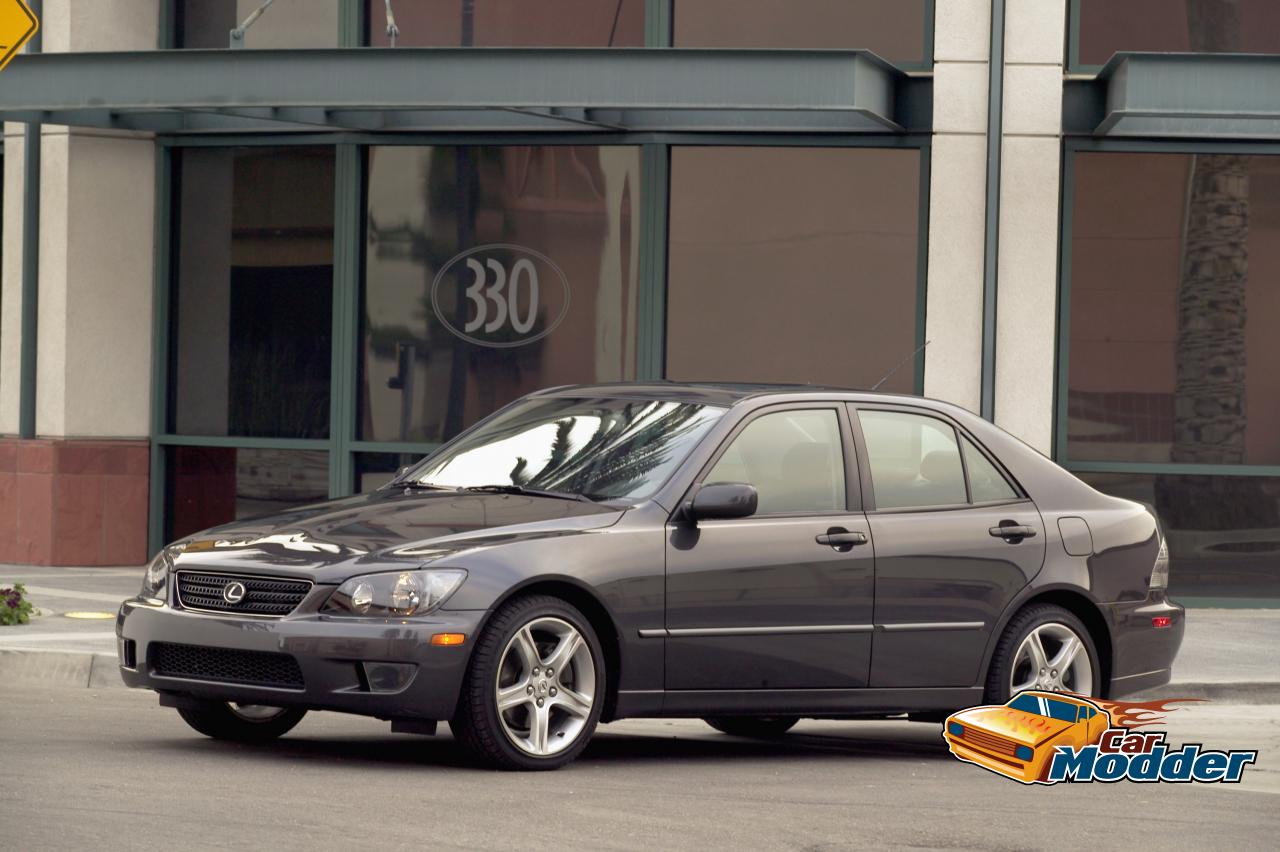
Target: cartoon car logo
(1018, 739)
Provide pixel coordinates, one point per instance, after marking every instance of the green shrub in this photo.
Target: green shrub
(14, 606)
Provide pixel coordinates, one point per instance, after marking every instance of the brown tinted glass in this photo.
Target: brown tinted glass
(491, 272)
(793, 265)
(1223, 532)
(894, 29)
(207, 486)
(252, 296)
(1175, 296)
(1208, 26)
(510, 23)
(285, 23)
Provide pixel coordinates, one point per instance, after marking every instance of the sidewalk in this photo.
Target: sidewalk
(1227, 655)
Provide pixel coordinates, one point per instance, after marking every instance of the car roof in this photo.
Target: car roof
(725, 394)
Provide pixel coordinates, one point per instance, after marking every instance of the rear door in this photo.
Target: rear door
(954, 540)
(769, 601)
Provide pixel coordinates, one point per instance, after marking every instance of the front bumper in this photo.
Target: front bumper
(331, 653)
(1143, 654)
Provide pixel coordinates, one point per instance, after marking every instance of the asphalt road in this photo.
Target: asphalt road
(110, 770)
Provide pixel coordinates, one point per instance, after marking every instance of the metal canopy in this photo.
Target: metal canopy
(1178, 95)
(466, 89)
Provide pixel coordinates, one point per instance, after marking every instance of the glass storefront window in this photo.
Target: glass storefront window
(895, 29)
(1174, 298)
(1203, 26)
(491, 272)
(207, 486)
(1223, 531)
(251, 315)
(509, 23)
(285, 24)
(793, 265)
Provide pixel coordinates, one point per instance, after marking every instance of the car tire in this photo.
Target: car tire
(242, 723)
(1053, 623)
(755, 727)
(502, 667)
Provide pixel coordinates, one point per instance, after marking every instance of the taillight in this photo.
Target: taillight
(1160, 570)
(1161, 621)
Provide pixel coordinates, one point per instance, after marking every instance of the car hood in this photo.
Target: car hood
(1029, 729)
(391, 528)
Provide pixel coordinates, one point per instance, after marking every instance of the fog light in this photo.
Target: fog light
(1161, 621)
(1023, 753)
(388, 677)
(955, 729)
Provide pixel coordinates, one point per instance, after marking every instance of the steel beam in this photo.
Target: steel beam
(1178, 96)
(631, 89)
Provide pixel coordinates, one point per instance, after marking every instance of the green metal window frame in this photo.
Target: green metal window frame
(342, 444)
(1071, 147)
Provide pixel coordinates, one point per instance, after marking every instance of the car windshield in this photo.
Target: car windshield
(598, 448)
(1064, 711)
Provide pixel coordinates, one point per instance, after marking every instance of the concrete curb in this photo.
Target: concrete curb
(65, 668)
(99, 670)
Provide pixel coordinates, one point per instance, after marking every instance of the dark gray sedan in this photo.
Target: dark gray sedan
(750, 555)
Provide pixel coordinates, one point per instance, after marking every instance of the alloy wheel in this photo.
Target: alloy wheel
(1052, 658)
(546, 686)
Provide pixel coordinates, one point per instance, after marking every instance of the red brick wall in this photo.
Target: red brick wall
(73, 502)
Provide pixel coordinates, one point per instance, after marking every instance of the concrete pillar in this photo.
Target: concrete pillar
(1029, 213)
(11, 277)
(953, 359)
(77, 494)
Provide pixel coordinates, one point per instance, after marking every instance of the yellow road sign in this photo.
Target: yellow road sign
(17, 26)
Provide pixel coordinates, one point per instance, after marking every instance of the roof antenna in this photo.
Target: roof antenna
(919, 349)
(393, 32)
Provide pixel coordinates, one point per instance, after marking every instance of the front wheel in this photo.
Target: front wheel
(246, 723)
(1044, 648)
(535, 687)
(756, 727)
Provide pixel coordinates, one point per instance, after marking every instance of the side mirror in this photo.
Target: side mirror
(722, 500)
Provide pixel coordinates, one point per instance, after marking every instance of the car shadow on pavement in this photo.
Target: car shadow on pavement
(607, 747)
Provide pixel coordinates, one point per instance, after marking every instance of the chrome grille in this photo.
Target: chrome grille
(228, 665)
(266, 596)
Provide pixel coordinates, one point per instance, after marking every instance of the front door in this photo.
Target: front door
(782, 599)
(955, 541)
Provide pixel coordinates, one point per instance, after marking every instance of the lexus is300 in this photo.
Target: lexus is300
(749, 555)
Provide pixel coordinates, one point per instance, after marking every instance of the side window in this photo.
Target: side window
(793, 458)
(914, 460)
(985, 482)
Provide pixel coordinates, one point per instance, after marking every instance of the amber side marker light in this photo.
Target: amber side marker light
(1161, 621)
(448, 639)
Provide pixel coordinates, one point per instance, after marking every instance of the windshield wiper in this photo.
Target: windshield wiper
(417, 485)
(535, 492)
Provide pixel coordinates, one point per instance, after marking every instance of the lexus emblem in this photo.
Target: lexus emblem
(233, 592)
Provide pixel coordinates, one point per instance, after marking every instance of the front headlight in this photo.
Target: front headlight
(157, 574)
(396, 594)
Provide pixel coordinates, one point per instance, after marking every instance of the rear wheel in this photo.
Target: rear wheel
(535, 686)
(756, 727)
(1046, 648)
(246, 723)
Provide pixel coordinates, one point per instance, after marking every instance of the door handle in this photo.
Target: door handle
(841, 538)
(1008, 529)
